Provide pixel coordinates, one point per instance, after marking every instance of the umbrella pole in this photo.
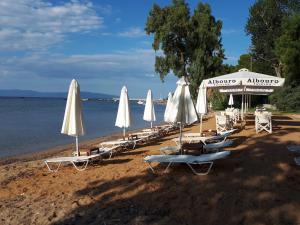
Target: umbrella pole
(201, 125)
(151, 124)
(180, 137)
(124, 133)
(77, 147)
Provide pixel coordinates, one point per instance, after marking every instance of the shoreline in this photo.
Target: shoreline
(50, 152)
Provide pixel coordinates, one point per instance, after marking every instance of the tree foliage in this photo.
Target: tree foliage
(190, 45)
(265, 27)
(288, 49)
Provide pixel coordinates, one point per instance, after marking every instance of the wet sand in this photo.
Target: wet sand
(257, 184)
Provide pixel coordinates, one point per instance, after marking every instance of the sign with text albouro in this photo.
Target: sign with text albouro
(257, 82)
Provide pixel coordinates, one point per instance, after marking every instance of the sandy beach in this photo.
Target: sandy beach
(257, 184)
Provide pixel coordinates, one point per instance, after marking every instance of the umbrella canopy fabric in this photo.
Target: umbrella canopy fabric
(73, 122)
(123, 119)
(230, 102)
(201, 105)
(183, 109)
(168, 108)
(149, 112)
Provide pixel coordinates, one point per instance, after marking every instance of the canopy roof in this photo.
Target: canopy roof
(246, 81)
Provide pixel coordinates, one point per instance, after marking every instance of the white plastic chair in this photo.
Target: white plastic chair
(263, 121)
(222, 123)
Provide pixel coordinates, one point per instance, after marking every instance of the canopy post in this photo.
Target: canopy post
(242, 111)
(249, 102)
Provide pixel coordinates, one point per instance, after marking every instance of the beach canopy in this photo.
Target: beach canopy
(201, 105)
(230, 102)
(244, 78)
(183, 109)
(73, 122)
(149, 112)
(244, 82)
(168, 108)
(123, 119)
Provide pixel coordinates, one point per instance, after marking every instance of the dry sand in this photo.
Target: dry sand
(257, 184)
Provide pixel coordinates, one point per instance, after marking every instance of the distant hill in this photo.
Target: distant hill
(29, 93)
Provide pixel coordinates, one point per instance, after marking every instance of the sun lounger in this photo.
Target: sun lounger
(297, 160)
(73, 160)
(190, 140)
(217, 146)
(120, 143)
(170, 149)
(294, 148)
(187, 159)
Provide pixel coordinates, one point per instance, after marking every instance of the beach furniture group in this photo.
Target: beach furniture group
(108, 148)
(180, 111)
(212, 147)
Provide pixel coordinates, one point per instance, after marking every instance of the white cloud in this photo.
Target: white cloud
(38, 24)
(230, 31)
(134, 63)
(132, 32)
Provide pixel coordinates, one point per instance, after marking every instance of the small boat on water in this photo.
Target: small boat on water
(140, 102)
(85, 99)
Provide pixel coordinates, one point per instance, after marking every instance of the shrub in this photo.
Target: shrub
(286, 99)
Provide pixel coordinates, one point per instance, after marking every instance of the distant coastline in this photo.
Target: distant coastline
(36, 94)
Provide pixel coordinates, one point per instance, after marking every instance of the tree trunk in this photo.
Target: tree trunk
(278, 67)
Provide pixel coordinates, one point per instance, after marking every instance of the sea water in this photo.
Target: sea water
(34, 124)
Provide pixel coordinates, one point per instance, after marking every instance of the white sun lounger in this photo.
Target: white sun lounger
(218, 145)
(73, 160)
(187, 159)
(170, 149)
(294, 148)
(297, 160)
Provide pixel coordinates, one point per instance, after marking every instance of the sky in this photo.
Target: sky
(101, 43)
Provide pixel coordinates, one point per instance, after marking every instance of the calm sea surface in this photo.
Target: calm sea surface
(34, 124)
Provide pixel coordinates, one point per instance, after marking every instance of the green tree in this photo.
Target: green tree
(265, 27)
(245, 61)
(288, 49)
(190, 44)
(249, 62)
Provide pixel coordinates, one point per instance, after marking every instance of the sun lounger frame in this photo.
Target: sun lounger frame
(190, 160)
(73, 160)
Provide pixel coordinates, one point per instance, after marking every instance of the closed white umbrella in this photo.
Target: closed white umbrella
(123, 119)
(73, 122)
(201, 105)
(168, 108)
(149, 112)
(183, 109)
(230, 100)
